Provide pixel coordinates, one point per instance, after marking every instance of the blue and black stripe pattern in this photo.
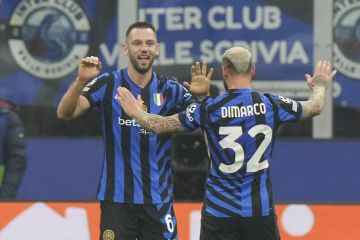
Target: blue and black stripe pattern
(239, 128)
(137, 163)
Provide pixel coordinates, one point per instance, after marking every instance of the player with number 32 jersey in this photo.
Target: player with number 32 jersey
(239, 128)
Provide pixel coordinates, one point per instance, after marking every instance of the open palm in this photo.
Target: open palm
(200, 81)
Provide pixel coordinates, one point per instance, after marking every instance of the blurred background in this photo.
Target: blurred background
(315, 163)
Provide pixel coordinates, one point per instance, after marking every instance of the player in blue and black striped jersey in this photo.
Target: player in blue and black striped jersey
(239, 128)
(135, 187)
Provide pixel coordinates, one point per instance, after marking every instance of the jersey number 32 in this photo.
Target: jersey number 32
(254, 164)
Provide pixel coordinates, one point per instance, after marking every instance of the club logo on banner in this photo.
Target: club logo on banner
(48, 38)
(347, 38)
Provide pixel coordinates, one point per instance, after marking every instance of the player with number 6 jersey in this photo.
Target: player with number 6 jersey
(135, 189)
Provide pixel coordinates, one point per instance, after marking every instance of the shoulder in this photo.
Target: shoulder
(278, 98)
(100, 80)
(165, 80)
(108, 76)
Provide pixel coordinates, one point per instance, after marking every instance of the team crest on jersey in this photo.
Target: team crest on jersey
(346, 55)
(108, 235)
(158, 99)
(48, 38)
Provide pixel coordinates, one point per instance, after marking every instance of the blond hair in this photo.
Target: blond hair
(237, 59)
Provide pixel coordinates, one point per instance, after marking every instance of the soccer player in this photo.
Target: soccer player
(239, 128)
(135, 190)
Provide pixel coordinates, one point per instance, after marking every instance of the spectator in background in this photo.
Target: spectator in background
(12, 150)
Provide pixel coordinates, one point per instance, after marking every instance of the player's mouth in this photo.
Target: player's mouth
(144, 59)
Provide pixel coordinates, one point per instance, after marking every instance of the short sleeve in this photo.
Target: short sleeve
(191, 117)
(94, 91)
(287, 109)
(183, 97)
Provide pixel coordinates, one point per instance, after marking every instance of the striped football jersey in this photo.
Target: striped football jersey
(136, 162)
(239, 128)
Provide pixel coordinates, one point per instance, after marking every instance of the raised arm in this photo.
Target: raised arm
(151, 122)
(73, 104)
(200, 80)
(318, 83)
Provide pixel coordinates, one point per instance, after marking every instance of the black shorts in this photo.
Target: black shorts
(239, 228)
(121, 221)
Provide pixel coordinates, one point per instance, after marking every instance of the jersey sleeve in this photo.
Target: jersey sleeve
(194, 116)
(288, 110)
(183, 97)
(94, 91)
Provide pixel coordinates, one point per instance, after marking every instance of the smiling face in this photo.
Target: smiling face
(141, 47)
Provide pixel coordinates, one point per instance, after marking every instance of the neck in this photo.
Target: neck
(138, 78)
(239, 82)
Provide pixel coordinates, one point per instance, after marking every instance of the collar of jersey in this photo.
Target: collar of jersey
(240, 90)
(133, 84)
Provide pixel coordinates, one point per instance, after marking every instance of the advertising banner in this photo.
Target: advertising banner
(42, 43)
(279, 35)
(346, 52)
(79, 220)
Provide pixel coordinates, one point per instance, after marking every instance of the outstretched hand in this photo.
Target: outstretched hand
(200, 81)
(322, 76)
(128, 103)
(89, 68)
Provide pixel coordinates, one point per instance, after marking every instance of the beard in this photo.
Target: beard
(138, 67)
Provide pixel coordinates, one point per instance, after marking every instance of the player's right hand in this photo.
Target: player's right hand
(128, 103)
(89, 68)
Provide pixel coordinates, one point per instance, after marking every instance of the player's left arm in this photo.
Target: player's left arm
(151, 122)
(318, 83)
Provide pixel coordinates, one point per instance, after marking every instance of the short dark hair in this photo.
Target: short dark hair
(140, 25)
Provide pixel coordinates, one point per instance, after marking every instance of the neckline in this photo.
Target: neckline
(132, 83)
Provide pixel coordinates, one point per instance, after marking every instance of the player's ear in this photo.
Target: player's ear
(252, 69)
(157, 50)
(125, 48)
(224, 72)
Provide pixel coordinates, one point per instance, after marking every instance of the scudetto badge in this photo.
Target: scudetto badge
(346, 55)
(48, 38)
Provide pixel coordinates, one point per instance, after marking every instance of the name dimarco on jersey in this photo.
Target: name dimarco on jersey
(243, 111)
